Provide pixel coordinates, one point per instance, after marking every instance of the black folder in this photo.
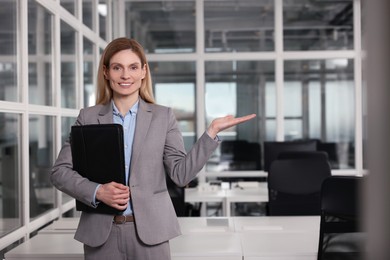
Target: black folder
(98, 154)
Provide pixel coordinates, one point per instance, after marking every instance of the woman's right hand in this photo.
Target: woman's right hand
(114, 194)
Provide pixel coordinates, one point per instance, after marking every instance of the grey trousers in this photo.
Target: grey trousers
(124, 244)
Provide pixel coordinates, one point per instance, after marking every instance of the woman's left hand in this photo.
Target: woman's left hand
(222, 123)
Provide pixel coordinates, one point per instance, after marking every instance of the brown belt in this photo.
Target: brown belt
(121, 219)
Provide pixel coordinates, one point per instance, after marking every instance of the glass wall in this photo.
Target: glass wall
(178, 78)
(9, 88)
(162, 26)
(266, 57)
(41, 158)
(239, 26)
(318, 25)
(48, 58)
(10, 172)
(239, 88)
(293, 63)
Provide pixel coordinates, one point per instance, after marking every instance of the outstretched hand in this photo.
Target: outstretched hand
(222, 123)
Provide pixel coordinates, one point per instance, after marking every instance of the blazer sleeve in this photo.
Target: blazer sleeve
(182, 167)
(64, 178)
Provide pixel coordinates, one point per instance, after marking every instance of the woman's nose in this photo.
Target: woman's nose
(125, 74)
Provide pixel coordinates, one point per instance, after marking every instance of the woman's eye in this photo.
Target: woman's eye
(116, 68)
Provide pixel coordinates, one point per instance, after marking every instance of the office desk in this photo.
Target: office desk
(227, 197)
(63, 225)
(230, 238)
(48, 246)
(206, 246)
(259, 194)
(285, 224)
(199, 246)
(190, 225)
(278, 238)
(279, 245)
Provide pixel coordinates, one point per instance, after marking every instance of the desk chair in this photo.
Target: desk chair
(273, 149)
(341, 236)
(303, 155)
(294, 186)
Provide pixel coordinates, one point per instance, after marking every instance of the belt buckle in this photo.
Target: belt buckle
(122, 219)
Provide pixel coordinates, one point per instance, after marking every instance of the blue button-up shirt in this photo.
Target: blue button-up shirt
(128, 122)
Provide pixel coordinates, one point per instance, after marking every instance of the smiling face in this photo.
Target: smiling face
(125, 74)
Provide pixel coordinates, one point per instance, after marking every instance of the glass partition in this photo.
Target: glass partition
(66, 123)
(245, 26)
(239, 88)
(319, 103)
(88, 13)
(318, 25)
(162, 26)
(174, 86)
(89, 73)
(10, 172)
(40, 55)
(102, 12)
(41, 148)
(68, 66)
(9, 90)
(69, 5)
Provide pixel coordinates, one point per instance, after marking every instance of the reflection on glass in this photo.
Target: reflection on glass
(87, 13)
(10, 199)
(68, 5)
(319, 104)
(88, 70)
(40, 55)
(240, 88)
(162, 26)
(68, 66)
(318, 25)
(41, 157)
(8, 51)
(174, 86)
(232, 25)
(102, 12)
(66, 123)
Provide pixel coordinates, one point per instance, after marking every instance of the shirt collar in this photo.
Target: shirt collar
(133, 109)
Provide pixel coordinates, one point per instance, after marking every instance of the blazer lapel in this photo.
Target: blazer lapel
(144, 118)
(105, 114)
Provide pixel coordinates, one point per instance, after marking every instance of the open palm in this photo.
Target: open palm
(221, 123)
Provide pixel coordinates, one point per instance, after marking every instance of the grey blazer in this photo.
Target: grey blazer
(158, 148)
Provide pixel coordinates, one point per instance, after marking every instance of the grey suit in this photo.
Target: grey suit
(158, 148)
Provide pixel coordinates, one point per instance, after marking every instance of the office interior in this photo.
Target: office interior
(300, 65)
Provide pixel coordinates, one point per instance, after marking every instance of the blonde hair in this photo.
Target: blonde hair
(104, 91)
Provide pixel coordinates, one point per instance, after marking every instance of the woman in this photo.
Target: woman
(153, 147)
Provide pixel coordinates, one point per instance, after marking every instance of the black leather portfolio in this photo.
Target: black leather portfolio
(98, 154)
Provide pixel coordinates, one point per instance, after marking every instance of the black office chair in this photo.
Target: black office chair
(341, 235)
(273, 149)
(303, 155)
(294, 186)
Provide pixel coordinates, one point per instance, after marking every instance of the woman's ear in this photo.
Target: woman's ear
(105, 72)
(144, 71)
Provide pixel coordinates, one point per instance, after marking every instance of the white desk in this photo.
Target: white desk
(279, 246)
(233, 238)
(195, 246)
(206, 246)
(63, 225)
(48, 246)
(190, 225)
(278, 238)
(284, 224)
(259, 194)
(226, 197)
